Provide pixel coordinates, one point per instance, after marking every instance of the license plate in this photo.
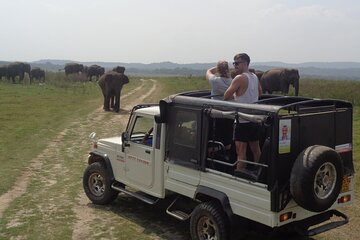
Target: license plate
(346, 184)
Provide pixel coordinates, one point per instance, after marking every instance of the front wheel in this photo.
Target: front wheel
(97, 184)
(208, 222)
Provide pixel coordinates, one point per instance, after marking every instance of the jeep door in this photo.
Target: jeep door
(139, 154)
(183, 147)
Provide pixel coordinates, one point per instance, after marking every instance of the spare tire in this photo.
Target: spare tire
(316, 178)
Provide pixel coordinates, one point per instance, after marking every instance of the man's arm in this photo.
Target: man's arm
(239, 82)
(235, 84)
(210, 72)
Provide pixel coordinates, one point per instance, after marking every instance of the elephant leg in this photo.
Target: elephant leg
(112, 101)
(104, 102)
(117, 102)
(21, 77)
(107, 102)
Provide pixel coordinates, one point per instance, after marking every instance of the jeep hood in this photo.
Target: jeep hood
(109, 142)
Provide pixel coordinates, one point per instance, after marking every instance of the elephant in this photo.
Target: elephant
(3, 71)
(119, 69)
(94, 70)
(71, 68)
(259, 74)
(234, 72)
(111, 84)
(37, 73)
(17, 69)
(279, 80)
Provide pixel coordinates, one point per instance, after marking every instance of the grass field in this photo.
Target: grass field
(34, 116)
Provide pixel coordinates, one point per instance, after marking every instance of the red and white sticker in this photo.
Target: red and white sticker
(347, 147)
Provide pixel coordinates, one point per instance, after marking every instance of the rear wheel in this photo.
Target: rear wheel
(316, 178)
(97, 184)
(208, 222)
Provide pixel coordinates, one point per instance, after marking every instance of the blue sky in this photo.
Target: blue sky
(181, 31)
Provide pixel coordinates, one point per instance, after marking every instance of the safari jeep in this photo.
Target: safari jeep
(182, 148)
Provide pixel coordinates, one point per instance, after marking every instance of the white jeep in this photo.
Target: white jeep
(183, 146)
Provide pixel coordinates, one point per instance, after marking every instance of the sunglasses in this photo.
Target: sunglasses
(237, 63)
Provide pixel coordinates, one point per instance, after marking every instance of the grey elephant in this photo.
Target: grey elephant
(119, 69)
(279, 80)
(17, 69)
(234, 72)
(111, 84)
(259, 74)
(37, 73)
(71, 68)
(94, 70)
(3, 71)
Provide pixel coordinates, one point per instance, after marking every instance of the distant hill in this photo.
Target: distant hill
(324, 70)
(326, 65)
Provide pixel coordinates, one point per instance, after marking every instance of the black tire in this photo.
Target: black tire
(97, 184)
(316, 178)
(209, 221)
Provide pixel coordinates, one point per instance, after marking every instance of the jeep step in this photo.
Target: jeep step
(139, 195)
(181, 208)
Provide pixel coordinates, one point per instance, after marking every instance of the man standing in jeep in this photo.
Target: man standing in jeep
(244, 88)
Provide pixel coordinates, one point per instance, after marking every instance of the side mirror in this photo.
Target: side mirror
(124, 139)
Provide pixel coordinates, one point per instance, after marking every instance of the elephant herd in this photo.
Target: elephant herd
(90, 71)
(111, 82)
(18, 69)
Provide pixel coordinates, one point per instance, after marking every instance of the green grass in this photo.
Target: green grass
(30, 115)
(345, 90)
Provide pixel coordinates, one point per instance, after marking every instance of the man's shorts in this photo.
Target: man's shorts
(246, 132)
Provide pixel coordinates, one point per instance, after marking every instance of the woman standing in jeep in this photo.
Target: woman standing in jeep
(219, 79)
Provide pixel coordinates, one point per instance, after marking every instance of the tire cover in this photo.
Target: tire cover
(316, 178)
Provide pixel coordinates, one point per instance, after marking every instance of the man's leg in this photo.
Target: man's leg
(241, 154)
(255, 148)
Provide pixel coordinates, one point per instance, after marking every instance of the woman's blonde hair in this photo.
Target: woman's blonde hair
(222, 68)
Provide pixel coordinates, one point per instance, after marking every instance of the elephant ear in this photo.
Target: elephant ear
(283, 74)
(296, 72)
(287, 75)
(126, 79)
